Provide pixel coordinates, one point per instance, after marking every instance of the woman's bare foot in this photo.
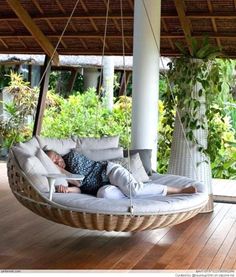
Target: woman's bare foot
(190, 189)
(174, 190)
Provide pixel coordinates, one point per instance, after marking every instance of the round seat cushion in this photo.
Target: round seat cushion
(142, 206)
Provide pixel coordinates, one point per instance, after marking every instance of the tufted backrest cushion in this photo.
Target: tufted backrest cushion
(97, 143)
(103, 154)
(61, 146)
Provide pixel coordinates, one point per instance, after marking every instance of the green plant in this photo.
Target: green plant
(83, 115)
(14, 125)
(216, 80)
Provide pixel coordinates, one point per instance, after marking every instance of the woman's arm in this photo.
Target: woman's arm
(72, 182)
(64, 189)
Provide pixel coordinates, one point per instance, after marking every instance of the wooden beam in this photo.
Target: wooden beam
(4, 44)
(84, 35)
(207, 15)
(179, 4)
(68, 51)
(92, 15)
(38, 35)
(131, 4)
(166, 30)
(42, 97)
(126, 15)
(38, 6)
(60, 6)
(213, 22)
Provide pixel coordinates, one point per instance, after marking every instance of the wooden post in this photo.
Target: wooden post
(74, 73)
(124, 82)
(42, 97)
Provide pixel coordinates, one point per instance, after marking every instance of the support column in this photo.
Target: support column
(108, 81)
(90, 78)
(146, 76)
(42, 98)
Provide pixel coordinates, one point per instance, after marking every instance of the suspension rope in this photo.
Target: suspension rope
(171, 91)
(102, 61)
(131, 208)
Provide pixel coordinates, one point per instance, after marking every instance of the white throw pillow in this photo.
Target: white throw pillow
(61, 146)
(136, 167)
(98, 143)
(34, 170)
(29, 147)
(103, 154)
(50, 167)
(21, 155)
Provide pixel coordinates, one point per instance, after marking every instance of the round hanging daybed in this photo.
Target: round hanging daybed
(89, 212)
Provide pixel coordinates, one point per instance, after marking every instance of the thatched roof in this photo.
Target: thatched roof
(84, 34)
(74, 61)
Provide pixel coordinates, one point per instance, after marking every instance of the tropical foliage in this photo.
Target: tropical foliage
(83, 114)
(14, 125)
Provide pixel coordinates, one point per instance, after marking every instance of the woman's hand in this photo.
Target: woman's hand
(62, 189)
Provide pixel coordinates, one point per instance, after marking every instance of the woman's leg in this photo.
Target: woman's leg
(174, 190)
(124, 180)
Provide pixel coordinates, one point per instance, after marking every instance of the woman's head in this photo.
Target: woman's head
(56, 158)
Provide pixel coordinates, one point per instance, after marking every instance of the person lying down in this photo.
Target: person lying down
(106, 179)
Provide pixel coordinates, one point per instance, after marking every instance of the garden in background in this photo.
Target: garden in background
(85, 114)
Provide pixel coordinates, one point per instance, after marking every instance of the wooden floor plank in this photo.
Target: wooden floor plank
(163, 247)
(173, 252)
(224, 249)
(208, 252)
(138, 251)
(191, 248)
(230, 259)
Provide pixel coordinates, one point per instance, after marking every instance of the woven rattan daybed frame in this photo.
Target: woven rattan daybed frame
(27, 195)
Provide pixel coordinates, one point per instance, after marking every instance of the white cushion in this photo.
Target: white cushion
(50, 167)
(135, 167)
(146, 205)
(103, 154)
(61, 146)
(34, 170)
(177, 181)
(21, 155)
(29, 147)
(98, 143)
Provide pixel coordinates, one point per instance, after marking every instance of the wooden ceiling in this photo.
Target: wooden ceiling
(34, 26)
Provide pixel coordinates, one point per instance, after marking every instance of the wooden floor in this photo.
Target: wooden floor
(29, 242)
(224, 190)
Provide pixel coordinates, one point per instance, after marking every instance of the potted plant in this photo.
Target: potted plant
(192, 79)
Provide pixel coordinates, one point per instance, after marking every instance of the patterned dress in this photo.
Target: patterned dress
(94, 172)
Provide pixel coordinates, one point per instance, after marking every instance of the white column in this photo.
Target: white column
(108, 81)
(90, 78)
(146, 76)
